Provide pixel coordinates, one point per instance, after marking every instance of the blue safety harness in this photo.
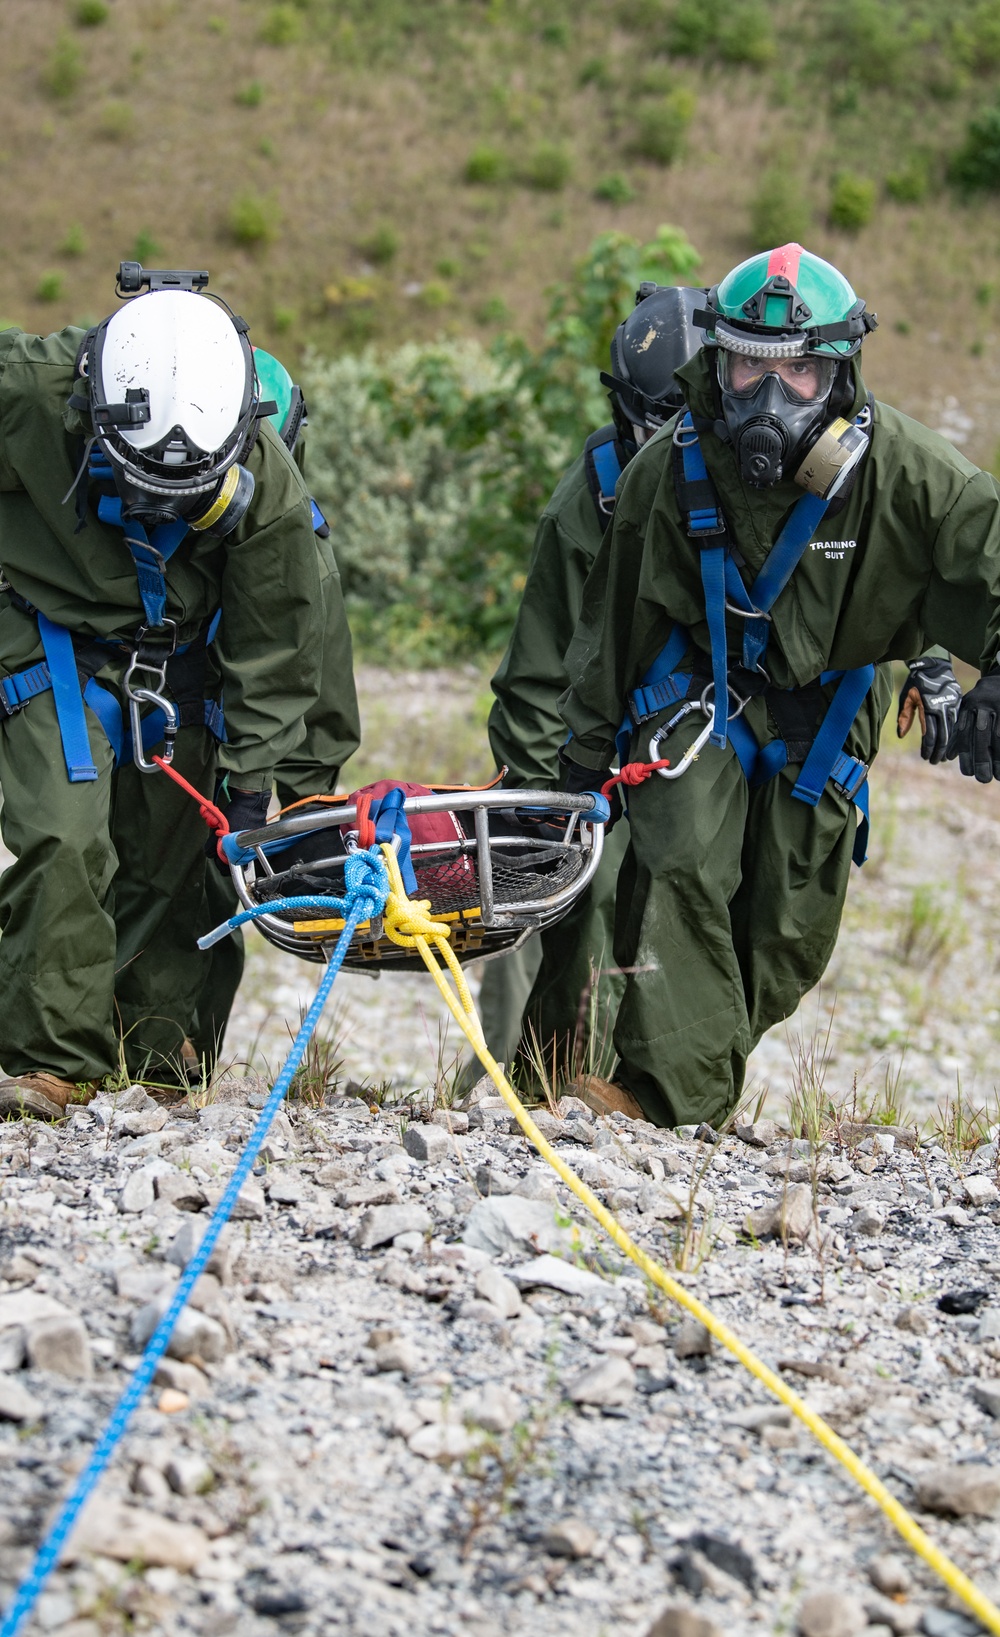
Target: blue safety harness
(603, 465)
(825, 761)
(70, 662)
(66, 657)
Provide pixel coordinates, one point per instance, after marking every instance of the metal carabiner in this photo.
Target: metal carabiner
(694, 750)
(156, 696)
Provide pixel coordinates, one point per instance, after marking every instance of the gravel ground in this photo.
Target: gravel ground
(416, 1394)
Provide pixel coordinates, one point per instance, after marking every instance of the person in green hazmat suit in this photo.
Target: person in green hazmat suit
(772, 545)
(561, 989)
(312, 767)
(155, 535)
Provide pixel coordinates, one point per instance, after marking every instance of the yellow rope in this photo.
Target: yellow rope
(411, 925)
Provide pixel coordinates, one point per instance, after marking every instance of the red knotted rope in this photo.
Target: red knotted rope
(633, 773)
(214, 818)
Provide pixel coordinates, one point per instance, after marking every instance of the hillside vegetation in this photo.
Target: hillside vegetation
(371, 173)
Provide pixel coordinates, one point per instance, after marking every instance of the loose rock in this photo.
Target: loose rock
(382, 1223)
(960, 1491)
(17, 1403)
(60, 1344)
(832, 1614)
(608, 1383)
(570, 1537)
(427, 1143)
(112, 1529)
(494, 1286)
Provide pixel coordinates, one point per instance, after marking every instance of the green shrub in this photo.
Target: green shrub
(282, 319)
(64, 69)
(436, 460)
(447, 267)
(435, 295)
(49, 287)
(660, 127)
(146, 248)
(251, 96)
(549, 168)
(852, 202)
(116, 121)
(595, 71)
(556, 34)
(282, 26)
(253, 220)
(487, 166)
(614, 189)
(381, 245)
(983, 51)
(746, 36)
(91, 13)
(911, 185)
(976, 165)
(692, 28)
(779, 211)
(492, 311)
(870, 41)
(74, 244)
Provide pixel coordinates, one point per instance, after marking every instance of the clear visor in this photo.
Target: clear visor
(802, 380)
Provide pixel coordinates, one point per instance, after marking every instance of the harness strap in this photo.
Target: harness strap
(603, 466)
(65, 682)
(827, 747)
(150, 556)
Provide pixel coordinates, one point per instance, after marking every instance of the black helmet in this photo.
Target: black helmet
(658, 336)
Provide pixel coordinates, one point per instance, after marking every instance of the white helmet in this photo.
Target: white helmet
(174, 400)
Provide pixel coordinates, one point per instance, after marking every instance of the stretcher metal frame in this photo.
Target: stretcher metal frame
(483, 930)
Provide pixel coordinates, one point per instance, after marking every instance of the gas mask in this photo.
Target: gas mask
(777, 412)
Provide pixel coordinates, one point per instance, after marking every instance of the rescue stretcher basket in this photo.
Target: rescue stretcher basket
(492, 880)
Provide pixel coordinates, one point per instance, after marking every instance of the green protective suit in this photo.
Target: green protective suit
(549, 980)
(100, 911)
(731, 898)
(333, 733)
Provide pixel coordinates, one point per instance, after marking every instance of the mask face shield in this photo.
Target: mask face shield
(806, 380)
(774, 401)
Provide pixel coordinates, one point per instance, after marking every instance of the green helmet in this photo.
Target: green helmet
(277, 387)
(786, 303)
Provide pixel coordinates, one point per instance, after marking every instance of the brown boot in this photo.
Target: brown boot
(42, 1095)
(604, 1097)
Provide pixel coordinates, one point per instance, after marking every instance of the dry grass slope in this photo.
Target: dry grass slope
(313, 156)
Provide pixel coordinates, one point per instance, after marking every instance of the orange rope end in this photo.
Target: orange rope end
(213, 816)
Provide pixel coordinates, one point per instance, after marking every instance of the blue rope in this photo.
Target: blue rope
(274, 906)
(367, 888)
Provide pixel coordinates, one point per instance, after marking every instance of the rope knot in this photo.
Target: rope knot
(634, 773)
(366, 879)
(407, 919)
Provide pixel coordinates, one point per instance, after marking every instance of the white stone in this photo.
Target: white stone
(195, 1335)
(570, 1537)
(16, 1402)
(979, 1190)
(493, 1407)
(382, 1223)
(556, 1274)
(512, 1223)
(495, 1287)
(188, 1473)
(109, 1528)
(60, 1344)
(832, 1614)
(398, 1354)
(427, 1143)
(440, 1442)
(610, 1382)
(960, 1491)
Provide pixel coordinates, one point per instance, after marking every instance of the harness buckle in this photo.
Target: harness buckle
(850, 785)
(746, 613)
(148, 642)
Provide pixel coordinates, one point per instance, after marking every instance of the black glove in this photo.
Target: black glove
(247, 810)
(932, 693)
(577, 780)
(976, 739)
